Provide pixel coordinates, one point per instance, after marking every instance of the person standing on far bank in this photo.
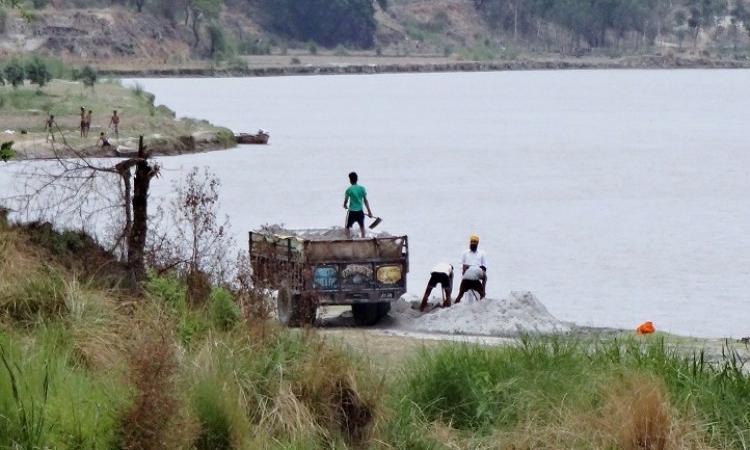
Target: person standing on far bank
(354, 197)
(114, 121)
(83, 121)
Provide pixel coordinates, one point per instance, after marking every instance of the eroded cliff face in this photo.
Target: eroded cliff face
(120, 33)
(96, 34)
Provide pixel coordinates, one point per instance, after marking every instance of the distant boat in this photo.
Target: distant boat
(261, 137)
(124, 152)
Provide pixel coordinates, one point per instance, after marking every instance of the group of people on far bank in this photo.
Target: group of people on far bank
(473, 260)
(85, 126)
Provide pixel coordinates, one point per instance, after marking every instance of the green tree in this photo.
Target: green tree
(87, 75)
(14, 72)
(6, 151)
(37, 72)
(220, 47)
(203, 11)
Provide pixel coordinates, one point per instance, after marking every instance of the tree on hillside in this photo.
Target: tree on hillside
(15, 73)
(203, 11)
(219, 46)
(37, 72)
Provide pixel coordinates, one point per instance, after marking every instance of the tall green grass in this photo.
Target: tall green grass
(486, 390)
(46, 401)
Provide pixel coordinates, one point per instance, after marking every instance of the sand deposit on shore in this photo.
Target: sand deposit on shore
(518, 313)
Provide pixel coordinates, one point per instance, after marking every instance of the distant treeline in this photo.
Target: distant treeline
(565, 24)
(608, 23)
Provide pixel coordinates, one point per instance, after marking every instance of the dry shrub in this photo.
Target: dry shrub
(328, 385)
(637, 413)
(288, 416)
(255, 303)
(198, 287)
(152, 357)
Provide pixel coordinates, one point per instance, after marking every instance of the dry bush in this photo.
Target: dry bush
(198, 287)
(255, 303)
(638, 415)
(152, 357)
(328, 384)
(288, 416)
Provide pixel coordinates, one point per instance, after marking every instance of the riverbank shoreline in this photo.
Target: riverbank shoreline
(25, 113)
(374, 68)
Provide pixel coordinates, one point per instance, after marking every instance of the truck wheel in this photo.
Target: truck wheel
(368, 314)
(292, 311)
(383, 309)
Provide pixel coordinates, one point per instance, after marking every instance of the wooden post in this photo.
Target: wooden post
(137, 238)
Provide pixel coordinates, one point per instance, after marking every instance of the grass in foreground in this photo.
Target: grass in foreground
(562, 393)
(82, 369)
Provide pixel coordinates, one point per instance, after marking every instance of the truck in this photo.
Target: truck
(309, 269)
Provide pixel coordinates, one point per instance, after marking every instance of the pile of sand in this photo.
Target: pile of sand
(520, 313)
(321, 234)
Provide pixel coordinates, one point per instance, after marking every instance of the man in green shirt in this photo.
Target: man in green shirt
(355, 196)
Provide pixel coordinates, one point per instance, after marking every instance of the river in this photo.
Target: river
(615, 196)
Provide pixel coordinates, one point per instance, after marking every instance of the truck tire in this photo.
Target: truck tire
(368, 314)
(293, 311)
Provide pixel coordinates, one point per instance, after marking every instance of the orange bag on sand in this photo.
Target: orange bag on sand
(646, 328)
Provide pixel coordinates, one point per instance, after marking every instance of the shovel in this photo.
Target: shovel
(375, 222)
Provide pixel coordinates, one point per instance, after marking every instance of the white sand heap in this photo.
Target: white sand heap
(322, 234)
(520, 313)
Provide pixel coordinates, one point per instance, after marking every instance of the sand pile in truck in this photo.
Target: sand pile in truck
(320, 234)
(519, 313)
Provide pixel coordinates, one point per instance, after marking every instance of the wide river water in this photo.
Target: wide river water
(615, 196)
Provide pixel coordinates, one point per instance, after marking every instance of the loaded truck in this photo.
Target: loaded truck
(309, 269)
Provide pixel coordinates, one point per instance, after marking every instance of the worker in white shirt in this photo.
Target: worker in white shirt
(441, 274)
(474, 266)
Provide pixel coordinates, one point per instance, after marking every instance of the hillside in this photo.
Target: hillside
(177, 34)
